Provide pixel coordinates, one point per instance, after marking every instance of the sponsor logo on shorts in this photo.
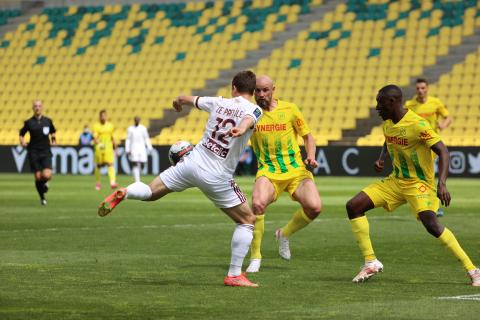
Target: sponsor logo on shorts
(217, 149)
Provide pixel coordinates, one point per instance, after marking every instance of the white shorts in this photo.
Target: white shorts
(138, 156)
(186, 174)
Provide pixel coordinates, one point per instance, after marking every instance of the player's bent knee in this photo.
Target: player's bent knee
(259, 207)
(353, 209)
(313, 211)
(249, 218)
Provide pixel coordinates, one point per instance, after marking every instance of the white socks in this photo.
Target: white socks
(138, 191)
(241, 240)
(136, 172)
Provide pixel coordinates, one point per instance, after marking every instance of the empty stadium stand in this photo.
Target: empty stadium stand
(134, 59)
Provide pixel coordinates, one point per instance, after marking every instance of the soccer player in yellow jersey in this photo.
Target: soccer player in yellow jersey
(409, 140)
(428, 107)
(431, 109)
(104, 149)
(280, 168)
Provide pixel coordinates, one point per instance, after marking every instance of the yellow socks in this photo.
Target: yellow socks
(448, 240)
(257, 238)
(361, 231)
(111, 174)
(298, 221)
(97, 174)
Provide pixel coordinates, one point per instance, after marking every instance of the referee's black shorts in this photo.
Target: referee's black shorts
(39, 161)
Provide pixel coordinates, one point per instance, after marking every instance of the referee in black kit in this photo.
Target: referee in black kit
(39, 153)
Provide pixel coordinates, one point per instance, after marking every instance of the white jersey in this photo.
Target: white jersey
(137, 143)
(217, 152)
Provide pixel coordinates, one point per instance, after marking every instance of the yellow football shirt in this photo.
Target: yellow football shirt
(274, 141)
(430, 110)
(104, 135)
(409, 144)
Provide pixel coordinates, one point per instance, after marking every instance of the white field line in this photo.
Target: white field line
(474, 297)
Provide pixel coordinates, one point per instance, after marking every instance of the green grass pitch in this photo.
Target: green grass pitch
(167, 259)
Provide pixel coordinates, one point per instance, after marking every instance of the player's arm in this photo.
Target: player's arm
(447, 121)
(53, 138)
(114, 143)
(247, 122)
(445, 115)
(128, 141)
(443, 163)
(53, 132)
(181, 101)
(310, 148)
(95, 135)
(380, 163)
(22, 133)
(147, 140)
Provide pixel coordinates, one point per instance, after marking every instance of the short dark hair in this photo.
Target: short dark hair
(102, 111)
(422, 80)
(392, 91)
(245, 82)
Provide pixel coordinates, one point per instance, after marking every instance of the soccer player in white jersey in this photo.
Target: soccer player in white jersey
(210, 167)
(136, 147)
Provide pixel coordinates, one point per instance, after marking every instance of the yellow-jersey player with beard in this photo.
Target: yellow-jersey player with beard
(410, 141)
(281, 168)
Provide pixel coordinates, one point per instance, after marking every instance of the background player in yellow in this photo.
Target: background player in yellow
(104, 149)
(431, 109)
(409, 140)
(280, 168)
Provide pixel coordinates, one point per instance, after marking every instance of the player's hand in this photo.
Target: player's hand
(443, 194)
(177, 105)
(236, 132)
(311, 163)
(379, 165)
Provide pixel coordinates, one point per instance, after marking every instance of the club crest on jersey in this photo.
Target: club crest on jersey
(46, 130)
(257, 113)
(425, 135)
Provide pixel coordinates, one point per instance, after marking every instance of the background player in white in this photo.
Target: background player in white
(136, 146)
(210, 167)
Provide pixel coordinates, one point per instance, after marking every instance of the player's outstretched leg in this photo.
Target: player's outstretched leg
(110, 202)
(135, 191)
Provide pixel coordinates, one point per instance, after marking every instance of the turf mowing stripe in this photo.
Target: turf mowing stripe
(474, 297)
